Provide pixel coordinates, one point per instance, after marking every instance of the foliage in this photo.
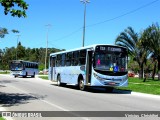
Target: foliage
(151, 39)
(130, 39)
(11, 5)
(22, 53)
(4, 31)
(1, 118)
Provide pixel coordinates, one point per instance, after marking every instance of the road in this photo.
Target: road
(35, 94)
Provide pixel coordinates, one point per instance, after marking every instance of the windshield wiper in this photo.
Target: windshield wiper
(100, 69)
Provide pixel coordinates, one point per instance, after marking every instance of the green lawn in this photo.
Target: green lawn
(45, 77)
(1, 118)
(5, 72)
(137, 85)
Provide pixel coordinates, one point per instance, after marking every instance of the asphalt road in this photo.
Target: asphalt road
(35, 94)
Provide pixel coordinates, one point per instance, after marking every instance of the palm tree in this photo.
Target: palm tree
(3, 31)
(151, 38)
(130, 39)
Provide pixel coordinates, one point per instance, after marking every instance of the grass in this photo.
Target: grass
(45, 77)
(1, 118)
(5, 72)
(137, 85)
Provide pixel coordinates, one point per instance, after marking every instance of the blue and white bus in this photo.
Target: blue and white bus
(95, 65)
(23, 68)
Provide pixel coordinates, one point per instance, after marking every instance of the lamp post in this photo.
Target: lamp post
(17, 46)
(48, 26)
(84, 2)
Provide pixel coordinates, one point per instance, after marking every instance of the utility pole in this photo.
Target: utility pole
(17, 46)
(48, 26)
(84, 2)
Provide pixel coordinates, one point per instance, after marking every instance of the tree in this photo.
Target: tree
(3, 32)
(151, 39)
(130, 39)
(10, 5)
(20, 51)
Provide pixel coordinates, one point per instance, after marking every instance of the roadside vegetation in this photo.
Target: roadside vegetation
(137, 85)
(23, 53)
(1, 118)
(4, 72)
(143, 49)
(44, 77)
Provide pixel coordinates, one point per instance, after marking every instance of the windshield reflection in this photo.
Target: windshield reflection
(110, 61)
(16, 66)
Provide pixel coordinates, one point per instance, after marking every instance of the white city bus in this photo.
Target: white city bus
(95, 65)
(23, 68)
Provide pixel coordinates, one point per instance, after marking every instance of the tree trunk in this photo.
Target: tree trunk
(154, 70)
(141, 72)
(159, 68)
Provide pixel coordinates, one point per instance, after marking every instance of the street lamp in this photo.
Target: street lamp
(48, 26)
(17, 45)
(84, 2)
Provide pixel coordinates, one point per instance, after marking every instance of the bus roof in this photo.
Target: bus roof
(24, 61)
(82, 48)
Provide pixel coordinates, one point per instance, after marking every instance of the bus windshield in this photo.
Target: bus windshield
(16, 66)
(113, 61)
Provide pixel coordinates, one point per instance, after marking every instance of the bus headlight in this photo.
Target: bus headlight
(97, 77)
(125, 78)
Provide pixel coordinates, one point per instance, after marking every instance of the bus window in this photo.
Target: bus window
(63, 59)
(68, 59)
(82, 57)
(58, 60)
(75, 58)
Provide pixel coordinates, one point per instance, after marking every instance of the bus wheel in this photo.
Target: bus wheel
(33, 76)
(109, 89)
(81, 85)
(25, 75)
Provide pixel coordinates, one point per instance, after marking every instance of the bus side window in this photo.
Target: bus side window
(82, 57)
(58, 61)
(63, 59)
(68, 59)
(75, 58)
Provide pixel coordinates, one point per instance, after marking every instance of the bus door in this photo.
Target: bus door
(89, 66)
(52, 69)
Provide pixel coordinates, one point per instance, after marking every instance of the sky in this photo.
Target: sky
(105, 20)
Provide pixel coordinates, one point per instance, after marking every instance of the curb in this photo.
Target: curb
(145, 95)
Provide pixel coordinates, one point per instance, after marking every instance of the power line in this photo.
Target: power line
(68, 35)
(127, 13)
(111, 19)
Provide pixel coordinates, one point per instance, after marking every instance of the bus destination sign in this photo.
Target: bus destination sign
(111, 49)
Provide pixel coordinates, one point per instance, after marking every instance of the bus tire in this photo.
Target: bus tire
(26, 75)
(81, 85)
(33, 76)
(109, 89)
